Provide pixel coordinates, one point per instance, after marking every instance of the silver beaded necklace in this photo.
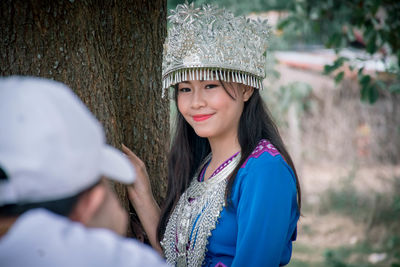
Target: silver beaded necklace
(195, 216)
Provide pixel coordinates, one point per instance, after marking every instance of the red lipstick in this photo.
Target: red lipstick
(201, 117)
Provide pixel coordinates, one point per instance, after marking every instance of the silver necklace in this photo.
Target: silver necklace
(195, 216)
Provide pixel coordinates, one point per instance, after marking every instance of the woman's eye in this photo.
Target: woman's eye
(184, 90)
(210, 86)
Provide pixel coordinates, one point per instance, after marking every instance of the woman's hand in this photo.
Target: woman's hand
(142, 199)
(141, 188)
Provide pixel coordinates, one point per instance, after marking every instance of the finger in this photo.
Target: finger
(125, 148)
(128, 152)
(131, 155)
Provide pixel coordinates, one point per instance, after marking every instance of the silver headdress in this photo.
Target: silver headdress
(207, 43)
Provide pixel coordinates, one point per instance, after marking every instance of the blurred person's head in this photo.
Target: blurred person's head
(53, 155)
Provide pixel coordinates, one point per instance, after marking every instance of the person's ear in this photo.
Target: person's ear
(88, 204)
(247, 92)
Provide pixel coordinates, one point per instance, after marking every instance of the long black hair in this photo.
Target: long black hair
(188, 150)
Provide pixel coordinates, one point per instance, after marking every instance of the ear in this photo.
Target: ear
(88, 204)
(247, 92)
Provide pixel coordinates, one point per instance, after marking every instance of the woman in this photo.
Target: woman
(233, 196)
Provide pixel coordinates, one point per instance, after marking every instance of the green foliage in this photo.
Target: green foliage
(336, 64)
(369, 89)
(372, 24)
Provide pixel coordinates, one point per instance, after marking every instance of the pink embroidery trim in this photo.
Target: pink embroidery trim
(218, 170)
(220, 264)
(263, 146)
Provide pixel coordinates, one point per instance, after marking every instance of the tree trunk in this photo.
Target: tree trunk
(110, 53)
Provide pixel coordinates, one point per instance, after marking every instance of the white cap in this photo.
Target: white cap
(51, 146)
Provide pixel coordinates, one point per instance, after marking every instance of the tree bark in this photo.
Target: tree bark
(110, 54)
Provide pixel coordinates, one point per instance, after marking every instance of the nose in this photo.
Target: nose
(198, 99)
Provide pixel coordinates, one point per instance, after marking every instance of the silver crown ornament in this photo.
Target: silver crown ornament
(209, 43)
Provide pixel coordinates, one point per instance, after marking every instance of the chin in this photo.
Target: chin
(202, 133)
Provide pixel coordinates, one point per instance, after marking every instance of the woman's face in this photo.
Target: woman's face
(209, 109)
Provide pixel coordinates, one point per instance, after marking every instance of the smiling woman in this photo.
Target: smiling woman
(233, 195)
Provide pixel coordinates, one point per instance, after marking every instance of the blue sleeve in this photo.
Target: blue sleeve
(266, 212)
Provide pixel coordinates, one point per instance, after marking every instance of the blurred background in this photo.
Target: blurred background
(332, 85)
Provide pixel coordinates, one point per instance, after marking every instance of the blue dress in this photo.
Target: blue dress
(258, 228)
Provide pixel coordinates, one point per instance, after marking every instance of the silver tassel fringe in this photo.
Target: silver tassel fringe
(207, 74)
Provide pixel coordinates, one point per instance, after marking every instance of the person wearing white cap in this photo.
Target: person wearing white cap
(56, 207)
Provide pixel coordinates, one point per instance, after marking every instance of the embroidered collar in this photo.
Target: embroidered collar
(220, 168)
(196, 215)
